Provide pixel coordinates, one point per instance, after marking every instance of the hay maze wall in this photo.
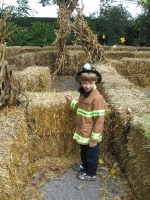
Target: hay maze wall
(132, 63)
(129, 131)
(130, 116)
(31, 141)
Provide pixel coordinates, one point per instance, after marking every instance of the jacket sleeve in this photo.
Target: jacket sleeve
(73, 103)
(98, 118)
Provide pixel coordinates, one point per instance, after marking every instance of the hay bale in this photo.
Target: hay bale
(12, 51)
(13, 57)
(118, 55)
(106, 141)
(46, 58)
(142, 54)
(24, 60)
(55, 124)
(130, 127)
(134, 69)
(120, 48)
(117, 64)
(138, 147)
(73, 62)
(35, 79)
(16, 50)
(24, 152)
(125, 48)
(143, 48)
(14, 160)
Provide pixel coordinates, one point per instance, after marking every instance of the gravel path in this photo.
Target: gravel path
(68, 187)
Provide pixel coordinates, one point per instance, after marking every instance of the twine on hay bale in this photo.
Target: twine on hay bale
(35, 79)
(130, 136)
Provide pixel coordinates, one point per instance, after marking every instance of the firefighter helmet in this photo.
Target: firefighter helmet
(88, 68)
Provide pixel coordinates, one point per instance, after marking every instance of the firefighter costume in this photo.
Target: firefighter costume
(89, 125)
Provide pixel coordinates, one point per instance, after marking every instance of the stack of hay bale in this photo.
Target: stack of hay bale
(131, 62)
(43, 130)
(21, 57)
(137, 70)
(14, 153)
(54, 125)
(33, 79)
(129, 131)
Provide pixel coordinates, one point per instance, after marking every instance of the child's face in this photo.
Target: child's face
(87, 85)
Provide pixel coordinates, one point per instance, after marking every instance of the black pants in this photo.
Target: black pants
(89, 158)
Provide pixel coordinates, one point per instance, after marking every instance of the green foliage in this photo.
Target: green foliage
(113, 21)
(142, 22)
(47, 2)
(37, 34)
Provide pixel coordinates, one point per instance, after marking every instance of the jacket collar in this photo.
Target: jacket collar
(86, 94)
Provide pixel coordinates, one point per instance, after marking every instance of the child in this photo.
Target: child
(89, 121)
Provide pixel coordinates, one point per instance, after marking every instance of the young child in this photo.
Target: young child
(89, 121)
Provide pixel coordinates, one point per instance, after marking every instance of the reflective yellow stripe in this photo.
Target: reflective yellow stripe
(80, 139)
(93, 113)
(96, 136)
(73, 103)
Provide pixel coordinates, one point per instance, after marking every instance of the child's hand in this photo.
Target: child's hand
(68, 97)
(92, 144)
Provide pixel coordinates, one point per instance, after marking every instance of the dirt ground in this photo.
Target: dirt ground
(107, 186)
(63, 83)
(111, 184)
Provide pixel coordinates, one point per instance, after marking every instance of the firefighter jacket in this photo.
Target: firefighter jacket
(89, 118)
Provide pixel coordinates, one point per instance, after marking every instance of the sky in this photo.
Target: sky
(89, 8)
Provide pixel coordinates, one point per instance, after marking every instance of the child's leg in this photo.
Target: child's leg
(92, 154)
(83, 156)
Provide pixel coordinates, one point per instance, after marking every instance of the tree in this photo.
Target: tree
(113, 21)
(35, 34)
(142, 23)
(70, 4)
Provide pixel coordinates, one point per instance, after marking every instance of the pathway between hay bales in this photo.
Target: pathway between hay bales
(68, 187)
(111, 184)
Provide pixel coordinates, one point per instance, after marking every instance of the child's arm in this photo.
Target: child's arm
(73, 103)
(68, 97)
